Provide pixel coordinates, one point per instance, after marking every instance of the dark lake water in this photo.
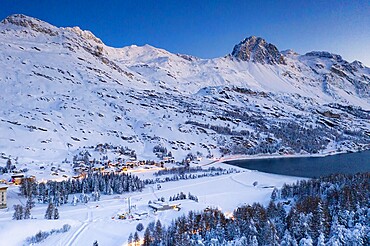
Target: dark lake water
(349, 163)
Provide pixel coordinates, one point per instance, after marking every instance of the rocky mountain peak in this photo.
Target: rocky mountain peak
(84, 34)
(257, 50)
(31, 23)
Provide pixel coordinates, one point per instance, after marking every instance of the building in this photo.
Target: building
(3, 189)
(17, 178)
(161, 206)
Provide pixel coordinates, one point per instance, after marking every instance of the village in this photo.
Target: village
(84, 165)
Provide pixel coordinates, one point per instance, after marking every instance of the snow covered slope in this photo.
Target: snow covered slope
(63, 88)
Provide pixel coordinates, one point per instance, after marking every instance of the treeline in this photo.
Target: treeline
(182, 196)
(184, 173)
(57, 192)
(188, 170)
(42, 235)
(333, 210)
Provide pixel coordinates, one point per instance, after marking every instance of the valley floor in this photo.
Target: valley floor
(99, 220)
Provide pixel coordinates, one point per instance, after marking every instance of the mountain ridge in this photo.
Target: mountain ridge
(69, 90)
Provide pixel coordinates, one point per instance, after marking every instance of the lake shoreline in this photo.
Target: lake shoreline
(278, 156)
(323, 164)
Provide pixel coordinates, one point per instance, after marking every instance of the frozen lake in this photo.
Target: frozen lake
(310, 167)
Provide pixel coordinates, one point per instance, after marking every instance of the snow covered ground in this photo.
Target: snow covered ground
(99, 221)
(64, 89)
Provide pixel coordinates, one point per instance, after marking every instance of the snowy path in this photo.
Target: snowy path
(80, 230)
(232, 177)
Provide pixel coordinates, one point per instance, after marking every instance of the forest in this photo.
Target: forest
(332, 210)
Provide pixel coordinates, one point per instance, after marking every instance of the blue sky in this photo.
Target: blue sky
(211, 28)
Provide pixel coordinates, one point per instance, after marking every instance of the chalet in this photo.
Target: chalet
(168, 159)
(3, 189)
(98, 168)
(161, 206)
(17, 178)
(131, 163)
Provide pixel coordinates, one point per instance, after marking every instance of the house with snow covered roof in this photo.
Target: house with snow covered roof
(3, 189)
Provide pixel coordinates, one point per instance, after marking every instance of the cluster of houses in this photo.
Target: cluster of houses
(139, 215)
(10, 179)
(118, 166)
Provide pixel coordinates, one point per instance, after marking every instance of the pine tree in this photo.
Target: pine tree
(30, 202)
(158, 231)
(74, 200)
(27, 213)
(139, 227)
(8, 165)
(130, 238)
(306, 241)
(136, 239)
(49, 212)
(147, 237)
(18, 212)
(254, 241)
(56, 213)
(288, 240)
(321, 240)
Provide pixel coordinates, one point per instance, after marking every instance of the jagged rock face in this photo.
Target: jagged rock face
(257, 50)
(325, 54)
(32, 23)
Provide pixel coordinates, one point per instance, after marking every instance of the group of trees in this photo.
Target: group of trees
(184, 173)
(94, 183)
(182, 196)
(42, 235)
(9, 167)
(21, 212)
(52, 212)
(332, 210)
(190, 170)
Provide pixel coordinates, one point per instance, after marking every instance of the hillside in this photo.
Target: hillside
(63, 89)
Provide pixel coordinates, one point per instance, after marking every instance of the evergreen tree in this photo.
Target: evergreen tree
(321, 240)
(306, 241)
(27, 213)
(130, 238)
(74, 200)
(56, 213)
(30, 202)
(49, 212)
(254, 241)
(139, 227)
(157, 235)
(18, 212)
(147, 237)
(8, 165)
(136, 239)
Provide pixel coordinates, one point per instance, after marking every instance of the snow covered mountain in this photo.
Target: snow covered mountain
(63, 88)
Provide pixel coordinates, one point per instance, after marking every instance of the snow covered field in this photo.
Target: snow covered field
(99, 221)
(65, 93)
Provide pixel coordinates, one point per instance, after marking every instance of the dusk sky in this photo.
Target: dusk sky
(210, 29)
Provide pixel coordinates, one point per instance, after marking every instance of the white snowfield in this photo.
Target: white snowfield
(99, 220)
(63, 88)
